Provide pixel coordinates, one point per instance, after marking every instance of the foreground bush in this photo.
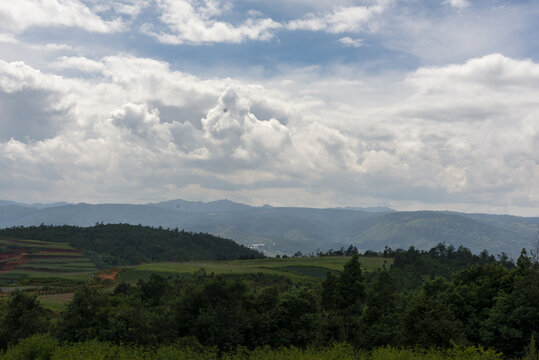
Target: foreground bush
(36, 347)
(44, 347)
(456, 353)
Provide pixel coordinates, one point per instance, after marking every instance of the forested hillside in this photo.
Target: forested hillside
(123, 244)
(447, 300)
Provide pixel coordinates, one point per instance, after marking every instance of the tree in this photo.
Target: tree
(84, 316)
(152, 290)
(473, 293)
(329, 292)
(428, 320)
(351, 287)
(379, 322)
(343, 298)
(213, 311)
(24, 317)
(514, 318)
(298, 317)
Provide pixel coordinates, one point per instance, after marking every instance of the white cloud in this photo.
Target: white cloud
(55, 13)
(33, 106)
(79, 63)
(195, 22)
(481, 120)
(14, 42)
(458, 4)
(130, 8)
(341, 19)
(8, 39)
(349, 42)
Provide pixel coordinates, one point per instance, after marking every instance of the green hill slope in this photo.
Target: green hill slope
(425, 229)
(123, 244)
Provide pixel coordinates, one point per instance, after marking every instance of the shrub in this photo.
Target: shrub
(36, 347)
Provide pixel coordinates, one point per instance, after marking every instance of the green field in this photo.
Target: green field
(35, 260)
(293, 268)
(34, 244)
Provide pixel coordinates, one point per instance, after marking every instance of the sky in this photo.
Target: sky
(411, 104)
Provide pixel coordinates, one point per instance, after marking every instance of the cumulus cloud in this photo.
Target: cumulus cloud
(462, 133)
(481, 121)
(33, 106)
(195, 22)
(239, 134)
(53, 13)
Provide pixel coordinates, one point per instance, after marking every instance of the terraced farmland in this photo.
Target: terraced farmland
(34, 259)
(293, 268)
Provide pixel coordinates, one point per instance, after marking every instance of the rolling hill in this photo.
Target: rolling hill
(123, 244)
(288, 229)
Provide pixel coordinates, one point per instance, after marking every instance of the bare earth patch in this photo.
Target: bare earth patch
(109, 274)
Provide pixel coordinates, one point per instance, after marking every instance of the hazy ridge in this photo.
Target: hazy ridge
(289, 229)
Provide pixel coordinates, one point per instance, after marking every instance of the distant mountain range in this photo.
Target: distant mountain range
(289, 229)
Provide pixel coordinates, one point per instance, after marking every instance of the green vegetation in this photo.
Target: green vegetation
(293, 268)
(55, 302)
(351, 314)
(445, 303)
(32, 245)
(33, 260)
(122, 244)
(47, 348)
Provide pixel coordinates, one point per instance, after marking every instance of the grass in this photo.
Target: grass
(293, 268)
(55, 302)
(57, 253)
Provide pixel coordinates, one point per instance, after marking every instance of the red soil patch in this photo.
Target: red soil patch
(18, 256)
(109, 274)
(8, 266)
(10, 255)
(9, 261)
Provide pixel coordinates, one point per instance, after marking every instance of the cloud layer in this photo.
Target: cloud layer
(460, 133)
(410, 104)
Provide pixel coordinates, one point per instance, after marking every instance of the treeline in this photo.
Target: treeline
(487, 305)
(412, 265)
(123, 244)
